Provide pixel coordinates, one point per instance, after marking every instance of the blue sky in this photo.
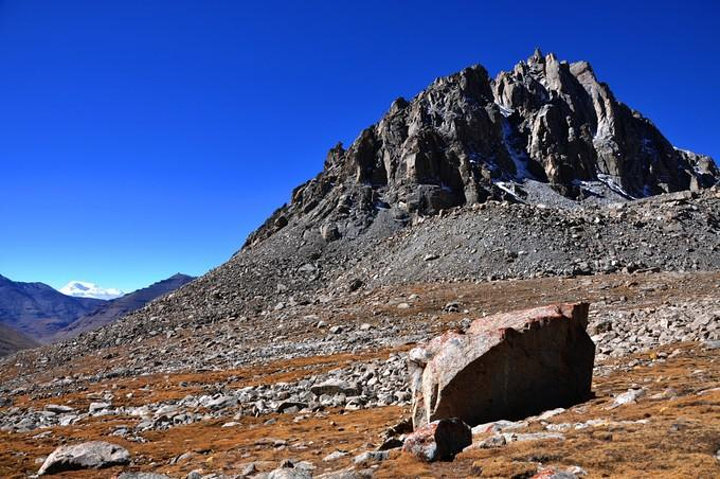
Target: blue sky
(143, 138)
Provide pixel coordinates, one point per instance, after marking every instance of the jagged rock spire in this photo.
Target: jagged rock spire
(463, 136)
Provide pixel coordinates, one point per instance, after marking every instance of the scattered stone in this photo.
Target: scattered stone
(248, 470)
(452, 307)
(497, 426)
(533, 436)
(142, 475)
(287, 470)
(392, 443)
(577, 470)
(439, 440)
(88, 455)
(630, 396)
(96, 407)
(289, 407)
(371, 456)
(492, 442)
(330, 232)
(552, 473)
(334, 456)
(348, 473)
(332, 386)
(58, 409)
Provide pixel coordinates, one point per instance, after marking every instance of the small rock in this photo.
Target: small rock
(551, 413)
(142, 475)
(371, 456)
(58, 409)
(392, 443)
(331, 387)
(439, 440)
(630, 396)
(88, 455)
(248, 470)
(492, 442)
(96, 407)
(334, 456)
(552, 473)
(289, 471)
(452, 307)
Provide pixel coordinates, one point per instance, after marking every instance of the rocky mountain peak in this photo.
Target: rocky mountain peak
(468, 138)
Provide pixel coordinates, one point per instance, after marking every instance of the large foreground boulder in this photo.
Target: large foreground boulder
(88, 455)
(506, 366)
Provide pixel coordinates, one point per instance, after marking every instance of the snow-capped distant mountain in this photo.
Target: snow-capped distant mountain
(81, 289)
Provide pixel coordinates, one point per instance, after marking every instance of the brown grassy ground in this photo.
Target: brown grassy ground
(678, 441)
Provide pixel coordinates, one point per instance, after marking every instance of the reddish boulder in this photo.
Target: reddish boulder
(506, 366)
(439, 441)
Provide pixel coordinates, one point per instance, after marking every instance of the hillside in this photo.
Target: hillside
(12, 341)
(436, 183)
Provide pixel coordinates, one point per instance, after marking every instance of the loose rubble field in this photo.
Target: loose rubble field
(335, 380)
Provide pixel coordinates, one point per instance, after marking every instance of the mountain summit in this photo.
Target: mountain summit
(82, 289)
(545, 127)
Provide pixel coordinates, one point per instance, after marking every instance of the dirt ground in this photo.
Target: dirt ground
(673, 431)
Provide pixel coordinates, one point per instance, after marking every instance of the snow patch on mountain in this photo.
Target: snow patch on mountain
(82, 289)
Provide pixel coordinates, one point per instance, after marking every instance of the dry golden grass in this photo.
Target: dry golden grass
(678, 441)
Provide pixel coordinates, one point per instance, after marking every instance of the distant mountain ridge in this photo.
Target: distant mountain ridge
(35, 313)
(38, 310)
(83, 289)
(123, 305)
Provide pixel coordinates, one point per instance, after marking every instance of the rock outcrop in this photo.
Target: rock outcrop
(506, 366)
(468, 137)
(88, 455)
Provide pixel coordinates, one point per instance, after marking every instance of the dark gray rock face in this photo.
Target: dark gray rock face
(88, 455)
(462, 138)
(506, 366)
